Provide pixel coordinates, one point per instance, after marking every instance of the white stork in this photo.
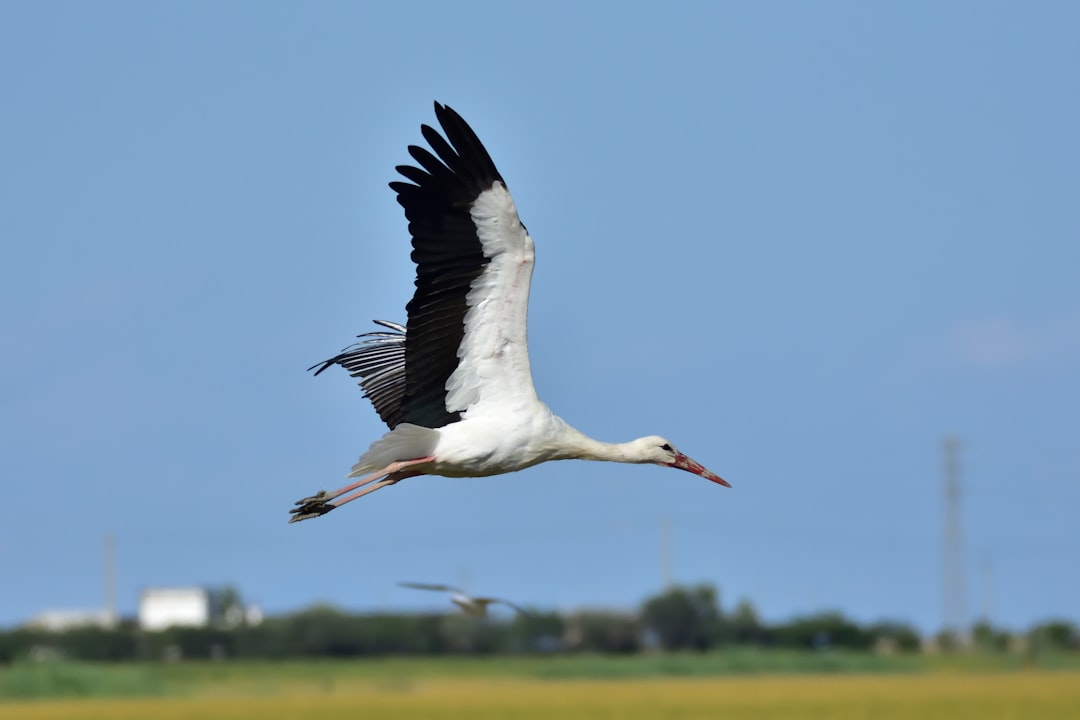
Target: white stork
(471, 606)
(454, 385)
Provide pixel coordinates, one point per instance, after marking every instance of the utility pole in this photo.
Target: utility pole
(987, 588)
(109, 572)
(953, 587)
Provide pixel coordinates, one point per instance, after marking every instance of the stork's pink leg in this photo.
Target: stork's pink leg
(319, 504)
(368, 490)
(391, 468)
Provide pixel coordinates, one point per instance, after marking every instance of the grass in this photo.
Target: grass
(263, 678)
(54, 679)
(929, 696)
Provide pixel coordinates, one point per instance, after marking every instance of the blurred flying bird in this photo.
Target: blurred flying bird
(454, 384)
(471, 606)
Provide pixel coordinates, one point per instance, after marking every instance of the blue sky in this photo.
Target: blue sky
(803, 241)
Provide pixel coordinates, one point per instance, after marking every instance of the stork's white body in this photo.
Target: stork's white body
(477, 446)
(455, 386)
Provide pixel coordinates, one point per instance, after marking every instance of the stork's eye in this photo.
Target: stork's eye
(667, 447)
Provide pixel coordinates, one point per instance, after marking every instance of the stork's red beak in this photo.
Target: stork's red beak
(684, 463)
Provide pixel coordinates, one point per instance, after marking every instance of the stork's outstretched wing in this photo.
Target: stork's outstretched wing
(466, 342)
(500, 601)
(429, 586)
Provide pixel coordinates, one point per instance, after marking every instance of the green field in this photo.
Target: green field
(987, 696)
(732, 685)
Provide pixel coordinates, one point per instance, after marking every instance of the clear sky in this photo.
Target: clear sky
(803, 241)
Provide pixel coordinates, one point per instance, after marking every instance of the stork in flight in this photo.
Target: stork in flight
(471, 606)
(454, 384)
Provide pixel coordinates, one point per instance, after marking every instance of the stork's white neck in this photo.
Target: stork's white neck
(583, 447)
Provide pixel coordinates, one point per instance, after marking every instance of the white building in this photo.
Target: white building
(60, 620)
(160, 608)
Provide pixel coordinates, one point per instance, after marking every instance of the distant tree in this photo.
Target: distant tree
(188, 643)
(86, 642)
(536, 632)
(1054, 635)
(228, 606)
(461, 634)
(321, 630)
(948, 640)
(903, 636)
(97, 643)
(8, 648)
(684, 618)
(603, 632)
(745, 627)
(823, 630)
(15, 644)
(425, 635)
(987, 638)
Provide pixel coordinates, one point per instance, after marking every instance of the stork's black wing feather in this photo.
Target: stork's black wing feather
(404, 373)
(448, 257)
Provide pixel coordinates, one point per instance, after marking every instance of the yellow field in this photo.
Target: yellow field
(1041, 695)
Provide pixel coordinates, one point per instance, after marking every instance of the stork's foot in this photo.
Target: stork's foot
(311, 507)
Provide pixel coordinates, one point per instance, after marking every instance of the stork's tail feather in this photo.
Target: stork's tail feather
(404, 441)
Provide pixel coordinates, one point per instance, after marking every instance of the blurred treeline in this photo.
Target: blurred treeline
(680, 618)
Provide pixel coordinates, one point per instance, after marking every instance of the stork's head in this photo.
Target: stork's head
(657, 450)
